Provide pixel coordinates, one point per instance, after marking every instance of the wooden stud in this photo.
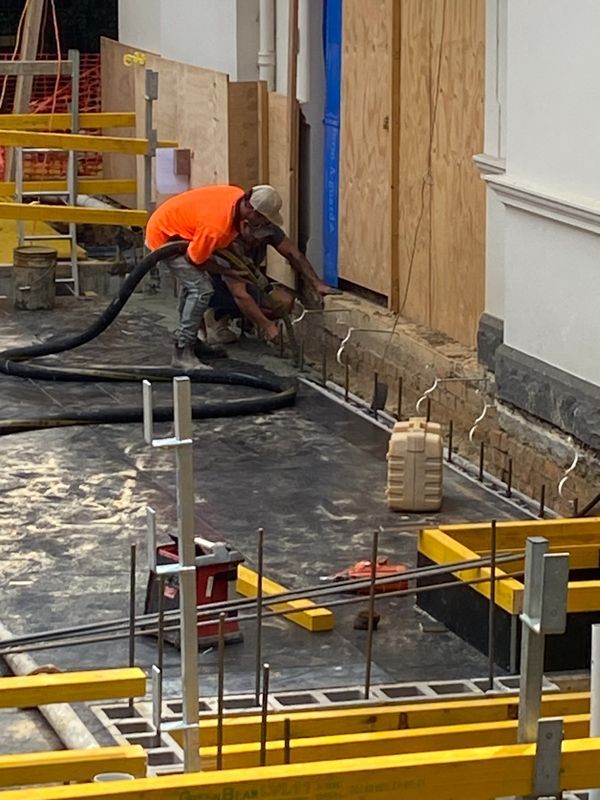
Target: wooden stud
(71, 687)
(302, 612)
(479, 772)
(95, 216)
(61, 766)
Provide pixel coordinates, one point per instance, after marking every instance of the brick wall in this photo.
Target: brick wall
(540, 454)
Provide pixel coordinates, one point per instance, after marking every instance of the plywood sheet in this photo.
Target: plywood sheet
(365, 179)
(458, 204)
(118, 94)
(278, 267)
(244, 134)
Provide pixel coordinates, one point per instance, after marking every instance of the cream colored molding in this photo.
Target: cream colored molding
(489, 165)
(575, 210)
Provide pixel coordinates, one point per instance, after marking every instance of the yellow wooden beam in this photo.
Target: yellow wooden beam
(302, 612)
(478, 773)
(550, 528)
(93, 216)
(58, 766)
(62, 121)
(71, 687)
(79, 142)
(339, 721)
(84, 186)
(381, 743)
(581, 556)
(441, 548)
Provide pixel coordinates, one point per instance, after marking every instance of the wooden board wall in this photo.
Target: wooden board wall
(278, 267)
(428, 258)
(365, 157)
(248, 146)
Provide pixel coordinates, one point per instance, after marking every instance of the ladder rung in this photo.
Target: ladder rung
(44, 193)
(43, 150)
(50, 236)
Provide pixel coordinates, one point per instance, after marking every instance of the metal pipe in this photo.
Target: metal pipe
(259, 612)
(221, 690)
(160, 642)
(492, 610)
(264, 715)
(266, 46)
(371, 627)
(132, 569)
(335, 587)
(87, 639)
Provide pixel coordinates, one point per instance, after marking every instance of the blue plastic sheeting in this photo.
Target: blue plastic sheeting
(332, 43)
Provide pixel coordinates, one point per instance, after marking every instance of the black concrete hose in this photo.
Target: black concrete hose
(281, 393)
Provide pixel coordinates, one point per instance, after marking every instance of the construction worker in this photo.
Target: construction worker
(233, 297)
(209, 218)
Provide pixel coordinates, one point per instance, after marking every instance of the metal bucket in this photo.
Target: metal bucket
(34, 276)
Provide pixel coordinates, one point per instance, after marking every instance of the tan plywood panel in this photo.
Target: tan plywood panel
(458, 202)
(244, 134)
(278, 267)
(365, 163)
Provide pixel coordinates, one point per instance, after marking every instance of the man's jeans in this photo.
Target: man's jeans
(195, 289)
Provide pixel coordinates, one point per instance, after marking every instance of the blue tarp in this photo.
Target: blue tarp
(332, 43)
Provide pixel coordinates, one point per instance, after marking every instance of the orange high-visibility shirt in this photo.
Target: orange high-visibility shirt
(204, 217)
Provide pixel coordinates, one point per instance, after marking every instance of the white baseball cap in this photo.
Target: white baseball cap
(267, 201)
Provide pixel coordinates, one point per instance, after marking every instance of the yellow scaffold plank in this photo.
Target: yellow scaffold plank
(94, 216)
(58, 766)
(405, 716)
(441, 548)
(84, 186)
(557, 531)
(71, 687)
(381, 743)
(78, 141)
(302, 612)
(478, 773)
(62, 121)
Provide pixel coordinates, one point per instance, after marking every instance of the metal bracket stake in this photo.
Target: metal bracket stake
(186, 568)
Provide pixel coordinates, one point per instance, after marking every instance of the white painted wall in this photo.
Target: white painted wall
(139, 24)
(551, 248)
(216, 34)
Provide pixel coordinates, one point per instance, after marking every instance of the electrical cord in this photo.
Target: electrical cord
(281, 392)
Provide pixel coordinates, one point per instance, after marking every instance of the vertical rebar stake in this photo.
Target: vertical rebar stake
(346, 381)
(301, 357)
(221, 689)
(264, 715)
(371, 626)
(132, 568)
(542, 501)
(492, 610)
(509, 478)
(287, 750)
(259, 610)
(399, 401)
(428, 418)
(481, 461)
(324, 367)
(575, 506)
(450, 440)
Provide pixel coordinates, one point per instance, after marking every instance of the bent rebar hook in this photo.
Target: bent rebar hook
(565, 477)
(346, 339)
(479, 420)
(306, 311)
(426, 394)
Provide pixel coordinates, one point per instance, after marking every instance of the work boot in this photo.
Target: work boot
(218, 330)
(184, 358)
(205, 351)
